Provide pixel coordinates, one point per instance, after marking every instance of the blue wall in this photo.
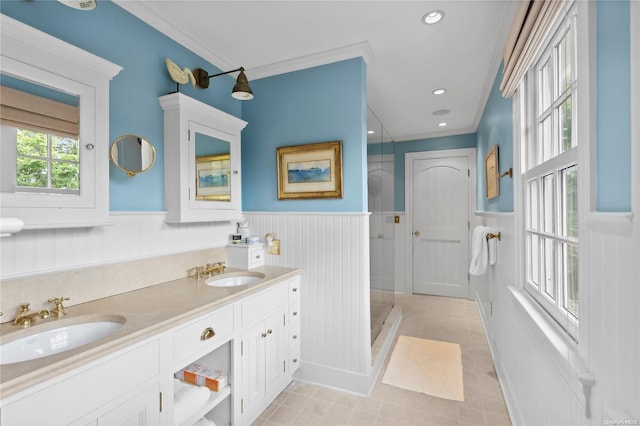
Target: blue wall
(321, 104)
(114, 34)
(496, 128)
(613, 106)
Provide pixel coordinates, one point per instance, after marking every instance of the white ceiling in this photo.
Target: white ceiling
(406, 59)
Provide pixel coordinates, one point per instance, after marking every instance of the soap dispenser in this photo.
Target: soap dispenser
(243, 230)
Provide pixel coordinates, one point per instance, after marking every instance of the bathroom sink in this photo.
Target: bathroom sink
(234, 279)
(44, 341)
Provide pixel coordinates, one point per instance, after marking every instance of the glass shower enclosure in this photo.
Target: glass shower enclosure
(380, 172)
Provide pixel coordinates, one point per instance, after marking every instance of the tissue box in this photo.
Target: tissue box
(202, 376)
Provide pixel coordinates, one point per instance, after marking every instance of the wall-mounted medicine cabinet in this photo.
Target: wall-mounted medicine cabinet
(54, 128)
(201, 161)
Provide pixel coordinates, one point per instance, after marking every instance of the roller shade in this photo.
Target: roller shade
(27, 111)
(528, 31)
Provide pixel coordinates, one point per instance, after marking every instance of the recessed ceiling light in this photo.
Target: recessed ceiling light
(441, 112)
(439, 91)
(442, 124)
(433, 17)
(370, 132)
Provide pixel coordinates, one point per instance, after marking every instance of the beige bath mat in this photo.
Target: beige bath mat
(427, 366)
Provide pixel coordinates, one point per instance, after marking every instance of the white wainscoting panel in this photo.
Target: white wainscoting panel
(131, 236)
(332, 250)
(539, 380)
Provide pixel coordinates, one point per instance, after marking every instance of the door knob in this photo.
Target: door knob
(416, 233)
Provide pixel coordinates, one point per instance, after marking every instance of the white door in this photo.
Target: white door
(441, 196)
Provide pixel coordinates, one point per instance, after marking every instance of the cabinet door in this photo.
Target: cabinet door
(253, 367)
(141, 410)
(276, 350)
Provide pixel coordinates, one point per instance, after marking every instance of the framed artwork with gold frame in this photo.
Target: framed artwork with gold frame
(310, 171)
(213, 177)
(492, 178)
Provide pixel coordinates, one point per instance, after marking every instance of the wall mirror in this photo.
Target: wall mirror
(201, 161)
(213, 168)
(57, 179)
(133, 154)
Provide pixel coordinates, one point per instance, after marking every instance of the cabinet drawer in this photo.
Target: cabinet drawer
(203, 334)
(294, 288)
(259, 306)
(294, 313)
(256, 256)
(294, 361)
(294, 338)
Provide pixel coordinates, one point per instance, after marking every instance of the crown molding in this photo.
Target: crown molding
(145, 14)
(361, 49)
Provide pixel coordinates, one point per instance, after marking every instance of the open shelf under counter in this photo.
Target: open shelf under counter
(214, 400)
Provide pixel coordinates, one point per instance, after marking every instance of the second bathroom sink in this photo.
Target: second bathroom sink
(235, 279)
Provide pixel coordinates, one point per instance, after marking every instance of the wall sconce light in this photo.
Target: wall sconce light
(240, 91)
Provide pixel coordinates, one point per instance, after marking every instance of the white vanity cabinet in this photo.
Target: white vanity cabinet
(254, 340)
(268, 347)
(120, 389)
(208, 342)
(201, 161)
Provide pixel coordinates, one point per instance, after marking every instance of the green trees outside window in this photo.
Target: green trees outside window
(47, 161)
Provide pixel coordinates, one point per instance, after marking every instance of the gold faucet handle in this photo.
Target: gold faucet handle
(59, 309)
(196, 272)
(24, 308)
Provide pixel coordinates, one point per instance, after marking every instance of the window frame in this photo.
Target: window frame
(581, 17)
(9, 168)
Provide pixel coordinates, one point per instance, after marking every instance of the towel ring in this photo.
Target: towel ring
(491, 236)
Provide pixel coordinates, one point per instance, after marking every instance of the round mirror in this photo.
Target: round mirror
(133, 154)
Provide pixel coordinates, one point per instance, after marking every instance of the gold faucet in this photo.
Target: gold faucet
(215, 268)
(26, 318)
(208, 270)
(59, 309)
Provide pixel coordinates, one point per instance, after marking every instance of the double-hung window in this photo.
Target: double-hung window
(550, 169)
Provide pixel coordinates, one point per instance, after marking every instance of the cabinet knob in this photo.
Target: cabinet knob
(269, 331)
(295, 289)
(207, 334)
(295, 313)
(264, 334)
(295, 360)
(295, 336)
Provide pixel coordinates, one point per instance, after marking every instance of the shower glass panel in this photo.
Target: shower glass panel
(380, 167)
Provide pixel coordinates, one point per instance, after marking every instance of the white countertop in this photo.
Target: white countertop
(148, 311)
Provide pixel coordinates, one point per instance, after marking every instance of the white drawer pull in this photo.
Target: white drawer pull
(207, 334)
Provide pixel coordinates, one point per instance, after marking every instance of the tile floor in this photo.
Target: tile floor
(429, 317)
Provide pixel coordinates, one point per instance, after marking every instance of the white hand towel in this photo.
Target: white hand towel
(493, 251)
(204, 422)
(187, 398)
(479, 251)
